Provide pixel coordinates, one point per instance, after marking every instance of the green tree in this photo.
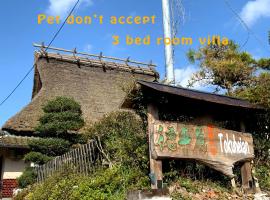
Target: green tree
(58, 131)
(258, 91)
(225, 67)
(234, 71)
(241, 76)
(50, 146)
(62, 115)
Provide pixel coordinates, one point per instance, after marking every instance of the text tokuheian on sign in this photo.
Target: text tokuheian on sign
(213, 146)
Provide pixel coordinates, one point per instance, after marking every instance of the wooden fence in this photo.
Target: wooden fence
(81, 160)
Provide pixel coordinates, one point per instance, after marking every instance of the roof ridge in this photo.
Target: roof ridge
(99, 63)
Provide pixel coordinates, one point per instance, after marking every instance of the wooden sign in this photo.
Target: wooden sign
(218, 148)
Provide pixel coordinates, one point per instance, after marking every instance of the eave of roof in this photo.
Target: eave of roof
(13, 141)
(198, 95)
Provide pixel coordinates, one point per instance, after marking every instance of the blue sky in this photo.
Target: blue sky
(19, 29)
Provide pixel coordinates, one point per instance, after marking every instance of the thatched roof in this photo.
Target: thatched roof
(97, 85)
(13, 141)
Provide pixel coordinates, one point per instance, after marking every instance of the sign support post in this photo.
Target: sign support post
(247, 181)
(155, 165)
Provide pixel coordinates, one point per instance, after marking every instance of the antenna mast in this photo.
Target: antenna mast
(169, 62)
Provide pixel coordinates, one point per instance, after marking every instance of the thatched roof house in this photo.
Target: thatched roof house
(96, 84)
(12, 150)
(92, 80)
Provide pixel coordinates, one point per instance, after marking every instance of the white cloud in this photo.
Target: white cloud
(183, 75)
(88, 48)
(254, 10)
(62, 7)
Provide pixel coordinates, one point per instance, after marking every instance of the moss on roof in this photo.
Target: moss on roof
(13, 141)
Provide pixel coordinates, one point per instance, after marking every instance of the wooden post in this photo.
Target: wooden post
(246, 175)
(257, 188)
(155, 165)
(247, 182)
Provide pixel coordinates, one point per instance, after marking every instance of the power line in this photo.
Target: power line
(241, 21)
(30, 70)
(249, 30)
(63, 24)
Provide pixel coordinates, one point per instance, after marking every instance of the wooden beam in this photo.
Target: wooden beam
(155, 165)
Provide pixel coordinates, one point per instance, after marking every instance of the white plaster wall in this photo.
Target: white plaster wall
(12, 168)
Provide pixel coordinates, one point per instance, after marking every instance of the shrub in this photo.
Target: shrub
(61, 115)
(263, 174)
(22, 194)
(123, 139)
(36, 157)
(58, 186)
(54, 128)
(104, 184)
(49, 146)
(28, 177)
(188, 184)
(112, 183)
(75, 138)
(62, 104)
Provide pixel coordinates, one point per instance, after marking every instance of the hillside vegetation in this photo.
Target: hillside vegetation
(125, 167)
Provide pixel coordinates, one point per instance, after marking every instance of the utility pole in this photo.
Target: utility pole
(169, 62)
